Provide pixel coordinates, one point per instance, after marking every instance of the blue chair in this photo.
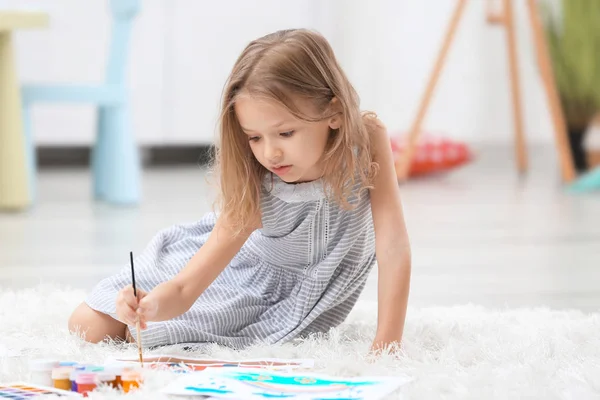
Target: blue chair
(115, 160)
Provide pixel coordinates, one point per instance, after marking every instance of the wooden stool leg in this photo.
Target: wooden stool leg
(558, 119)
(521, 154)
(14, 187)
(30, 152)
(403, 165)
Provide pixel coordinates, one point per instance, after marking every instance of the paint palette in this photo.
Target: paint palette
(22, 391)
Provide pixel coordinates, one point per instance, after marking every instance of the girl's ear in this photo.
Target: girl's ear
(335, 121)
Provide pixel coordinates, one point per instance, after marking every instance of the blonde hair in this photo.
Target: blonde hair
(282, 66)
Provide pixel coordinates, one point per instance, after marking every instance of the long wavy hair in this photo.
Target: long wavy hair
(281, 67)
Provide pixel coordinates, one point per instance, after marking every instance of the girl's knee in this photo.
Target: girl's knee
(77, 320)
(94, 326)
(83, 320)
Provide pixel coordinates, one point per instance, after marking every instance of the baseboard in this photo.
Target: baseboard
(56, 156)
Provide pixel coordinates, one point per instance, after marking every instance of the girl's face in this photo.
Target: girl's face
(283, 144)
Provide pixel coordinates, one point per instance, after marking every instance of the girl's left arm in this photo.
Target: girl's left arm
(391, 244)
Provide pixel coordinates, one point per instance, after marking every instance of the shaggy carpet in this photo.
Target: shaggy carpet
(465, 352)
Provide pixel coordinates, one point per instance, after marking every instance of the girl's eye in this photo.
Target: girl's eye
(287, 134)
(253, 138)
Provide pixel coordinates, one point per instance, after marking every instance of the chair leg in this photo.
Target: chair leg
(30, 153)
(117, 166)
(99, 157)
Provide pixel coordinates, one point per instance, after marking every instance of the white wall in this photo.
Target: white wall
(179, 63)
(399, 40)
(199, 60)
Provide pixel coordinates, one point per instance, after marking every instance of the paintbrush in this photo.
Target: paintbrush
(137, 322)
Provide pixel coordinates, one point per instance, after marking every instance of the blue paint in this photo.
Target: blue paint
(68, 364)
(293, 380)
(207, 391)
(274, 396)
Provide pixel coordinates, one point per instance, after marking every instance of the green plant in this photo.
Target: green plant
(573, 35)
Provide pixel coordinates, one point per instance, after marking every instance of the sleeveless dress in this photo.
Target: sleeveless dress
(301, 273)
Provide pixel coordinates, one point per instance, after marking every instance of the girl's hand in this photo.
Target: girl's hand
(129, 309)
(385, 343)
(147, 309)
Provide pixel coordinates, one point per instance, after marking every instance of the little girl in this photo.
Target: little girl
(309, 201)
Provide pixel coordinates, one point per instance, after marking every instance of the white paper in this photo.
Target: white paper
(254, 384)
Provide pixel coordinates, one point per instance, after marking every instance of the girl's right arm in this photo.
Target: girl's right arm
(172, 298)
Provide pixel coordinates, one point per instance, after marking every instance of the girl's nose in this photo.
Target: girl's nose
(273, 154)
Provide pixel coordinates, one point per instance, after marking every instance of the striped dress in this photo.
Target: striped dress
(301, 273)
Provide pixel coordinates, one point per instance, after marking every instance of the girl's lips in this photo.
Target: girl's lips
(281, 170)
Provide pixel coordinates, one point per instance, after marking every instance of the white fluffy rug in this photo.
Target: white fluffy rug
(463, 352)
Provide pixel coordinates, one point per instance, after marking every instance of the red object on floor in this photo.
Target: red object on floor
(433, 154)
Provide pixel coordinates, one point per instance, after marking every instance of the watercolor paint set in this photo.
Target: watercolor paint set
(23, 391)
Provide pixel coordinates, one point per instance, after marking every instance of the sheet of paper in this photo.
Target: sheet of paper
(243, 383)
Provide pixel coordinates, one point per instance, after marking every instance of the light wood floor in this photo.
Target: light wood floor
(479, 235)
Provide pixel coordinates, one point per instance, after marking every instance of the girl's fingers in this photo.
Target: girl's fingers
(128, 307)
(126, 314)
(131, 317)
(148, 308)
(142, 317)
(129, 298)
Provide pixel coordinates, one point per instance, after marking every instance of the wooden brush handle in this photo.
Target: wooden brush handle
(139, 341)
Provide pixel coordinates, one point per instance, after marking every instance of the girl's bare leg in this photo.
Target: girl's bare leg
(95, 326)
